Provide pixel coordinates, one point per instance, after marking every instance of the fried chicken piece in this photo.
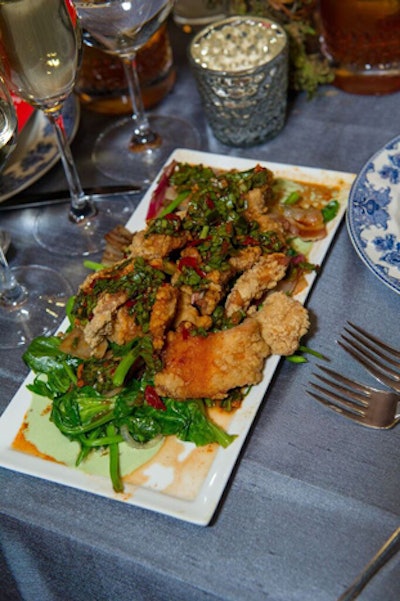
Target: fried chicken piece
(254, 282)
(186, 313)
(101, 324)
(155, 245)
(162, 313)
(245, 258)
(113, 320)
(209, 366)
(258, 211)
(283, 322)
(117, 270)
(207, 300)
(124, 327)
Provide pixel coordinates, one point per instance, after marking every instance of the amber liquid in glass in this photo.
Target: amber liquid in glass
(362, 40)
(101, 84)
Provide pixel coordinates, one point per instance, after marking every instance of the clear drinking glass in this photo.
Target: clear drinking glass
(132, 149)
(40, 51)
(32, 297)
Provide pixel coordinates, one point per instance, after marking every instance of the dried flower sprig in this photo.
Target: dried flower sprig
(308, 67)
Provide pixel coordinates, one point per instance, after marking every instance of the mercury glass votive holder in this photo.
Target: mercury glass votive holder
(241, 68)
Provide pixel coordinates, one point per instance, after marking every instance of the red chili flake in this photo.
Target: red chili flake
(187, 262)
(210, 203)
(250, 241)
(198, 241)
(191, 262)
(172, 217)
(153, 399)
(130, 302)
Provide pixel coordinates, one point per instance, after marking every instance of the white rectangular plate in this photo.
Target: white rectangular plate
(156, 486)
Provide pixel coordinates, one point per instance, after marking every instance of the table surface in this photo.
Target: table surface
(312, 497)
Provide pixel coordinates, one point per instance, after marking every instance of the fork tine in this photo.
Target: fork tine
(336, 408)
(380, 371)
(352, 384)
(376, 346)
(357, 400)
(372, 356)
(382, 345)
(354, 407)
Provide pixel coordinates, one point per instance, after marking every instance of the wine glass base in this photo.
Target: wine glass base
(42, 310)
(54, 230)
(113, 157)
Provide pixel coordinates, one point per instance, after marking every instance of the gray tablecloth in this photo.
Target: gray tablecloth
(313, 496)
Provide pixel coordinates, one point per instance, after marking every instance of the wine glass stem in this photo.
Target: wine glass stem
(143, 137)
(12, 294)
(81, 207)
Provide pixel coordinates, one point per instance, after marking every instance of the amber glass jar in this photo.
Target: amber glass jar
(101, 84)
(361, 38)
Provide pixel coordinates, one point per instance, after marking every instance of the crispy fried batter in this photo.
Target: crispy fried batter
(252, 284)
(101, 324)
(124, 327)
(155, 245)
(162, 313)
(257, 210)
(283, 322)
(245, 258)
(118, 269)
(187, 313)
(209, 366)
(198, 366)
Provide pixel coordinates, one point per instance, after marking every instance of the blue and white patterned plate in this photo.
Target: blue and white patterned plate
(36, 150)
(373, 216)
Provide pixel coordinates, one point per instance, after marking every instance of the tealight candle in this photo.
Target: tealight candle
(241, 68)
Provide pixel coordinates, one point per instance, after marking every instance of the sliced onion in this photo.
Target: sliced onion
(138, 445)
(308, 223)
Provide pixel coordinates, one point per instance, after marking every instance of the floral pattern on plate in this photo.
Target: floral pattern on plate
(373, 216)
(36, 151)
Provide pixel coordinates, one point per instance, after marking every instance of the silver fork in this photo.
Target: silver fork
(385, 553)
(376, 356)
(363, 404)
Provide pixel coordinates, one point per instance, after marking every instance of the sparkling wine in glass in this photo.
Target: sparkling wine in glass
(32, 297)
(132, 149)
(40, 50)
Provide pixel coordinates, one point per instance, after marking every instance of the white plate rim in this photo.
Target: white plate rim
(40, 153)
(362, 246)
(200, 510)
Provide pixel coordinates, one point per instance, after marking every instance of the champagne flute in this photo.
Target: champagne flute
(32, 298)
(40, 51)
(132, 149)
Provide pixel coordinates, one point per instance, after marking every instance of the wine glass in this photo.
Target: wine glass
(132, 149)
(32, 298)
(40, 50)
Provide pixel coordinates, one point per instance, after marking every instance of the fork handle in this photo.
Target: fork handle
(386, 552)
